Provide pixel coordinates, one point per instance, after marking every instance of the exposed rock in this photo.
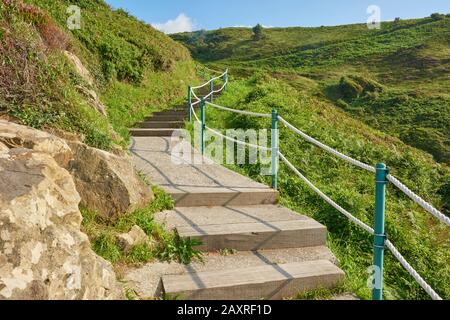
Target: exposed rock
(135, 237)
(3, 148)
(17, 136)
(80, 68)
(107, 183)
(87, 91)
(94, 100)
(43, 253)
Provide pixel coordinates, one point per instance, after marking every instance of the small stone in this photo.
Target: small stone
(136, 237)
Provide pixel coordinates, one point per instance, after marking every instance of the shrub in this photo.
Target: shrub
(258, 32)
(437, 16)
(353, 86)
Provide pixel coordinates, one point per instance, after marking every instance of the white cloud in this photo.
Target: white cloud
(181, 24)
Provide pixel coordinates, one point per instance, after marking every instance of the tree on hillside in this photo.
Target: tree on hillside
(437, 16)
(258, 32)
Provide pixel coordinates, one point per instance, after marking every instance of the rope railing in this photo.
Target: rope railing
(425, 205)
(327, 148)
(381, 242)
(211, 80)
(326, 198)
(248, 113)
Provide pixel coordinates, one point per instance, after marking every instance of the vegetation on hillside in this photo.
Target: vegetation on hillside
(135, 68)
(423, 240)
(410, 58)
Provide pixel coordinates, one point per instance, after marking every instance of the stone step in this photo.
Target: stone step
(140, 132)
(168, 117)
(146, 280)
(272, 282)
(171, 112)
(221, 196)
(245, 228)
(161, 125)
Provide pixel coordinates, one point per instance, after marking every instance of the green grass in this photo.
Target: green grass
(136, 69)
(165, 246)
(409, 57)
(321, 293)
(421, 238)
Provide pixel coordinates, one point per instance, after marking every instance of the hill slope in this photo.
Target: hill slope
(130, 69)
(317, 79)
(410, 58)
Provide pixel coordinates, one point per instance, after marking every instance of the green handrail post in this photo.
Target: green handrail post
(275, 149)
(190, 102)
(382, 173)
(203, 116)
(211, 89)
(225, 79)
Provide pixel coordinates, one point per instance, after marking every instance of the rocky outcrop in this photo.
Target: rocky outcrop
(80, 68)
(107, 183)
(43, 253)
(16, 136)
(93, 99)
(86, 90)
(3, 148)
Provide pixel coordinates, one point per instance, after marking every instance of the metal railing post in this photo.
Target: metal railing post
(190, 103)
(275, 149)
(203, 116)
(380, 235)
(211, 89)
(225, 79)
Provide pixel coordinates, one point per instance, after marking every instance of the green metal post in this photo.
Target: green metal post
(203, 116)
(380, 235)
(275, 149)
(211, 89)
(225, 79)
(190, 103)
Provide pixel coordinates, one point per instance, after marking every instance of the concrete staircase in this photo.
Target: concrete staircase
(270, 245)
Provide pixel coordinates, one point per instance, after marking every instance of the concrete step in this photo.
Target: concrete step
(272, 282)
(161, 125)
(221, 196)
(140, 132)
(245, 228)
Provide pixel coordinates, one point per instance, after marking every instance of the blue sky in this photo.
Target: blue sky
(187, 15)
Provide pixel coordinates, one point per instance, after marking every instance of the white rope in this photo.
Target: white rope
(428, 207)
(195, 103)
(326, 198)
(195, 116)
(254, 146)
(411, 271)
(208, 82)
(388, 243)
(262, 115)
(223, 87)
(195, 96)
(327, 148)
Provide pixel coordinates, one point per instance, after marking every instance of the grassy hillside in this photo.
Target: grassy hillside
(409, 58)
(325, 81)
(135, 69)
(423, 240)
